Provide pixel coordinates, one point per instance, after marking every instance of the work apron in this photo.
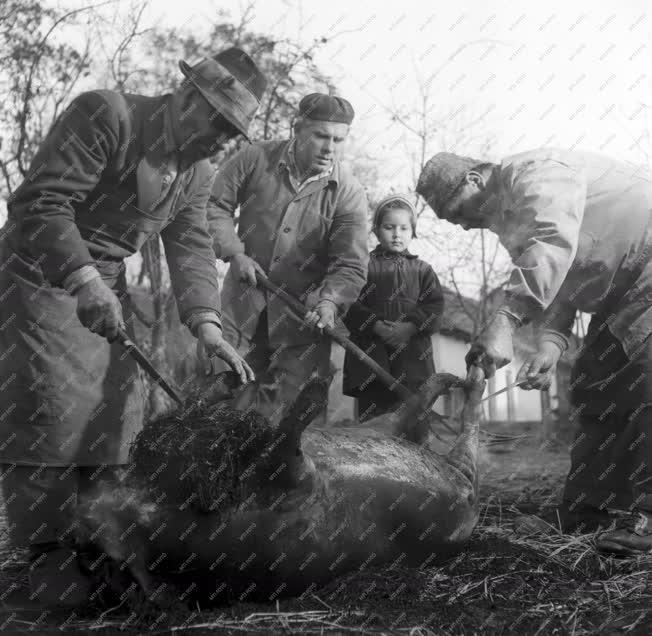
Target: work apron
(67, 396)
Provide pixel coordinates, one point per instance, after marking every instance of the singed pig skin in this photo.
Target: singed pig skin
(348, 497)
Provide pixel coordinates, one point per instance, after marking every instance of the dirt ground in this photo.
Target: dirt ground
(514, 577)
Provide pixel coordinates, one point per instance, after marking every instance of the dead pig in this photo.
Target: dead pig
(333, 500)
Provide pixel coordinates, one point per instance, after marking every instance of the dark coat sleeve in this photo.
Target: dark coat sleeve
(66, 168)
(226, 195)
(360, 319)
(348, 253)
(429, 310)
(189, 250)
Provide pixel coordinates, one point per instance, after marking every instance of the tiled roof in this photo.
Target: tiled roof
(459, 321)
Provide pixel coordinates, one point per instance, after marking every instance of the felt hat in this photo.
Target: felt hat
(440, 177)
(322, 107)
(231, 83)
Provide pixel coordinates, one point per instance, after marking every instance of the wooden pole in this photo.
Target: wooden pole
(386, 378)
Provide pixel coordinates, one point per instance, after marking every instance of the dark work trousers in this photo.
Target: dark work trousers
(376, 400)
(611, 456)
(281, 372)
(40, 501)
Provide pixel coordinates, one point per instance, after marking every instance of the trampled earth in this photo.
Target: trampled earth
(517, 575)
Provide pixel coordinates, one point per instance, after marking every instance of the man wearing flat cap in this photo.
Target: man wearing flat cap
(302, 222)
(578, 228)
(114, 170)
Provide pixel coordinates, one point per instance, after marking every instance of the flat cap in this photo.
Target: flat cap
(326, 108)
(441, 175)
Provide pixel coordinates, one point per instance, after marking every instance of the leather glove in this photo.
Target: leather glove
(494, 348)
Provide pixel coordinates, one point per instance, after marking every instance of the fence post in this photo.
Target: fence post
(511, 407)
(492, 401)
(547, 423)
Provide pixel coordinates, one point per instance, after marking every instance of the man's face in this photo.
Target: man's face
(318, 144)
(467, 206)
(202, 131)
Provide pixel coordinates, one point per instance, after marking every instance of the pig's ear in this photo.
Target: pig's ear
(308, 405)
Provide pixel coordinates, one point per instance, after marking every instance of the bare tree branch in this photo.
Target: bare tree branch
(27, 93)
(117, 62)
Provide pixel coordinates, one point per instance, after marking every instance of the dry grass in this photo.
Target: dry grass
(518, 575)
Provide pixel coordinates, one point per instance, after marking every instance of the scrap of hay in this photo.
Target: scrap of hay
(204, 458)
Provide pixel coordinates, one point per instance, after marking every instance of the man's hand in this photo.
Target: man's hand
(99, 309)
(539, 368)
(321, 315)
(493, 349)
(211, 344)
(396, 334)
(245, 268)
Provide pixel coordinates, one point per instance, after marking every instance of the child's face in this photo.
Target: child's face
(395, 230)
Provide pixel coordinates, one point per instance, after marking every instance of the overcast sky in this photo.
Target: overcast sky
(568, 74)
(571, 74)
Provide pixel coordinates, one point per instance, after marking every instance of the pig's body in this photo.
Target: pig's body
(358, 496)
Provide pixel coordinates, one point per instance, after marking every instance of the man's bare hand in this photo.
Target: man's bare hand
(538, 369)
(99, 309)
(322, 315)
(244, 268)
(494, 348)
(212, 345)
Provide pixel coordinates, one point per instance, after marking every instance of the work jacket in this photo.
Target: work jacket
(98, 187)
(312, 241)
(578, 227)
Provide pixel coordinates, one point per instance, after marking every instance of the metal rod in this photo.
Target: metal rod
(143, 361)
(386, 378)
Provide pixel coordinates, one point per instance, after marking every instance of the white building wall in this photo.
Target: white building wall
(448, 356)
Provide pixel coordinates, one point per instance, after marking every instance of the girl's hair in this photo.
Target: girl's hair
(395, 202)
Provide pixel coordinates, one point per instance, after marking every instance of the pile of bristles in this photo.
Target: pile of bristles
(202, 458)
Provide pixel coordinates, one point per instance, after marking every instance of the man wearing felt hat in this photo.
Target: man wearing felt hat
(303, 222)
(114, 170)
(578, 227)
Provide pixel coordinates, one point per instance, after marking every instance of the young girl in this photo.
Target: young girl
(398, 310)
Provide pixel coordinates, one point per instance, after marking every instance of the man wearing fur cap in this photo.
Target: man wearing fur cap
(578, 228)
(303, 222)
